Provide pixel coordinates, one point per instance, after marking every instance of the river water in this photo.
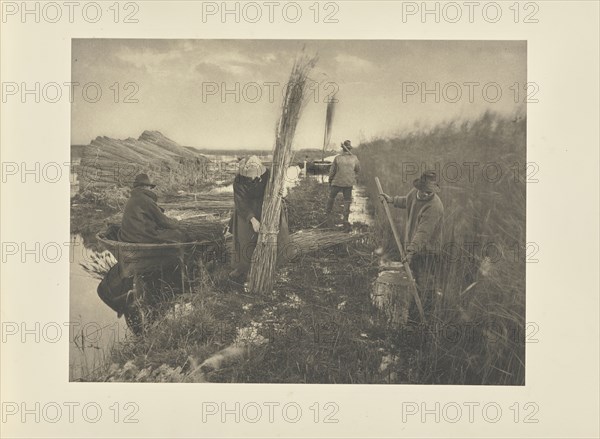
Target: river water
(96, 327)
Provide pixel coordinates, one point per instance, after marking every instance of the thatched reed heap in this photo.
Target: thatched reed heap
(110, 162)
(265, 254)
(204, 203)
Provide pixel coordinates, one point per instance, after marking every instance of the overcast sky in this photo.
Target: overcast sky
(180, 84)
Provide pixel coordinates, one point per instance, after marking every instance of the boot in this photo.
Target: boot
(328, 223)
(347, 224)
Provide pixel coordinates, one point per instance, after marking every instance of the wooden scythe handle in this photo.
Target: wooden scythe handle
(402, 253)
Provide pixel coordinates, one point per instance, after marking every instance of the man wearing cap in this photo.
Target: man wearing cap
(423, 230)
(143, 220)
(342, 177)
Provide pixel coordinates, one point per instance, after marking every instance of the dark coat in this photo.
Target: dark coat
(144, 222)
(248, 196)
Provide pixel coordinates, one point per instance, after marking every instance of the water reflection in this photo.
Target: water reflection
(94, 326)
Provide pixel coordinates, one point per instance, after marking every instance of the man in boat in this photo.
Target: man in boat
(144, 221)
(342, 177)
(422, 231)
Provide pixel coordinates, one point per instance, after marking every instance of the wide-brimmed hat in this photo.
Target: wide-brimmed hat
(251, 167)
(427, 182)
(347, 145)
(142, 180)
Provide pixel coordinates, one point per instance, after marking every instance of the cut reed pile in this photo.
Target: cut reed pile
(110, 162)
(265, 254)
(204, 203)
(309, 241)
(305, 242)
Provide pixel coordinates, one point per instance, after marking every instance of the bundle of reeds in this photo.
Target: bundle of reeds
(312, 240)
(98, 264)
(304, 242)
(265, 256)
(328, 124)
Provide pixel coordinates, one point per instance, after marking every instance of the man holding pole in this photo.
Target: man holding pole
(422, 231)
(342, 177)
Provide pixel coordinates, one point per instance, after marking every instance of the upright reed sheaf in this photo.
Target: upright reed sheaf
(264, 260)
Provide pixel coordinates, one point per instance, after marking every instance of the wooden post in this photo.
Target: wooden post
(402, 253)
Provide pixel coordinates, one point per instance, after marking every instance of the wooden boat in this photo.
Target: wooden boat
(318, 166)
(136, 259)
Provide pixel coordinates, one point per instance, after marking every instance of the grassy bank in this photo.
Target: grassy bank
(481, 165)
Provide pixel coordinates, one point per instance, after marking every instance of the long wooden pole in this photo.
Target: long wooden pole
(402, 253)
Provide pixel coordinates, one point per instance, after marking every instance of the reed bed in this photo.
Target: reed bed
(482, 285)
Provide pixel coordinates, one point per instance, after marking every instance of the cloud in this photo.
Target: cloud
(354, 62)
(146, 58)
(236, 63)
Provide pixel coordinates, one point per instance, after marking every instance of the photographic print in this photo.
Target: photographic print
(282, 211)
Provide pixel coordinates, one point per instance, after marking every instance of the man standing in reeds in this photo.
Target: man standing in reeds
(342, 177)
(422, 231)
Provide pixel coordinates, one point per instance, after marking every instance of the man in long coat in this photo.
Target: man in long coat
(144, 221)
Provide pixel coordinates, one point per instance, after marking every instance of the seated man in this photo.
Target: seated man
(143, 221)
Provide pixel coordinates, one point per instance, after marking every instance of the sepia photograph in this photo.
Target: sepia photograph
(337, 219)
(308, 212)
